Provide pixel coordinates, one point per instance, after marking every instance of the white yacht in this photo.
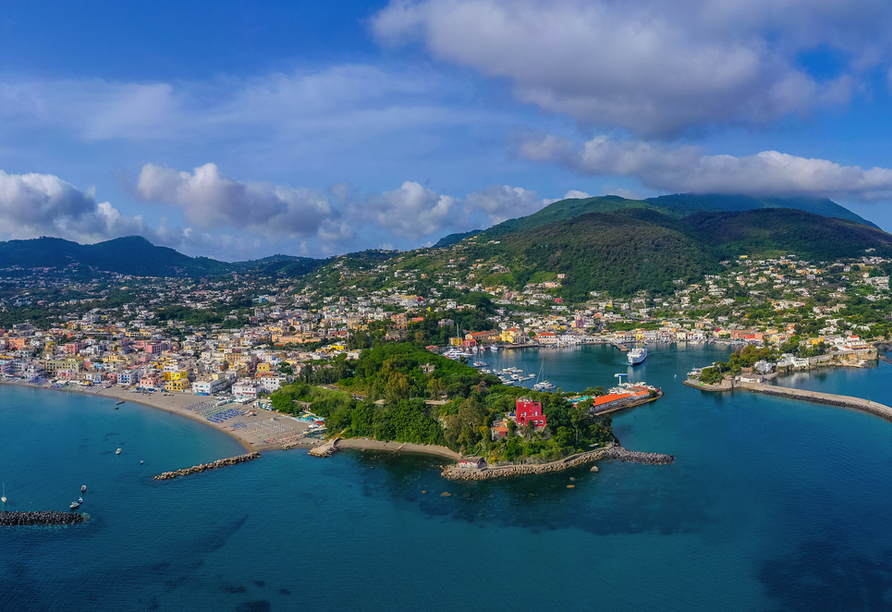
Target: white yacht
(637, 355)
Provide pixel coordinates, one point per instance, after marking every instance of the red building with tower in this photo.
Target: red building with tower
(528, 411)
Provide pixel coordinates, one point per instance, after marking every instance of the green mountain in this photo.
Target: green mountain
(131, 255)
(637, 248)
(615, 252)
(286, 265)
(690, 203)
(137, 256)
(678, 206)
(784, 230)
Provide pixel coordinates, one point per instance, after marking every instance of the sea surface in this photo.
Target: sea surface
(771, 504)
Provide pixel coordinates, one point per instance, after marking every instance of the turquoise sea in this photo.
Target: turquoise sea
(771, 504)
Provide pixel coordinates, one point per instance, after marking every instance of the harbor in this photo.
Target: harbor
(724, 503)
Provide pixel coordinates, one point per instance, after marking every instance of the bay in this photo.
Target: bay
(771, 504)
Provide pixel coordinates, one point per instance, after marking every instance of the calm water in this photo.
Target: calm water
(771, 505)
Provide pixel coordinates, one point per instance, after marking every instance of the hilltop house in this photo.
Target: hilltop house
(528, 411)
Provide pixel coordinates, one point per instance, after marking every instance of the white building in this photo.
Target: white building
(246, 388)
(209, 387)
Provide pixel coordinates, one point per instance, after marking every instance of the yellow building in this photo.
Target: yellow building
(177, 375)
(177, 385)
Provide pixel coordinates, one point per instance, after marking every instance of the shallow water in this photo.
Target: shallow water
(771, 504)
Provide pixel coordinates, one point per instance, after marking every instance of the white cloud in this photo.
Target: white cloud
(42, 204)
(325, 107)
(212, 200)
(412, 211)
(653, 67)
(674, 169)
(501, 202)
(233, 219)
(577, 195)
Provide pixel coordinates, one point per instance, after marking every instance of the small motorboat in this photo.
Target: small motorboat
(140, 461)
(118, 452)
(75, 505)
(83, 488)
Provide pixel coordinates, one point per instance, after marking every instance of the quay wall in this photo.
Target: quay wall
(197, 469)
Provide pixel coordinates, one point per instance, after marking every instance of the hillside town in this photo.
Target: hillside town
(250, 334)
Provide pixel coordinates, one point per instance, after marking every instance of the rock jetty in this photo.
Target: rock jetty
(326, 450)
(197, 469)
(47, 517)
(453, 472)
(622, 454)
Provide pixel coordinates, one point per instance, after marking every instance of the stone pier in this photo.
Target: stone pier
(197, 469)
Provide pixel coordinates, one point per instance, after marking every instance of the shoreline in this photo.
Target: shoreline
(178, 403)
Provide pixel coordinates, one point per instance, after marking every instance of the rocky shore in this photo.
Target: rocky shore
(47, 517)
(453, 472)
(197, 469)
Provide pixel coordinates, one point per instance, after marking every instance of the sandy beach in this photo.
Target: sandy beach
(266, 430)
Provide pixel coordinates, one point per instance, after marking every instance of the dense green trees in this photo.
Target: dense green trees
(404, 370)
(397, 377)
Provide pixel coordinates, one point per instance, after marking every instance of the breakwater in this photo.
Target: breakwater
(453, 472)
(845, 401)
(204, 467)
(46, 517)
(623, 454)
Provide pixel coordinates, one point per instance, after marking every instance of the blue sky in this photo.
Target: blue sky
(239, 130)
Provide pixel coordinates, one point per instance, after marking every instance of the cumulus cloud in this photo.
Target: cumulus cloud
(42, 204)
(666, 168)
(412, 211)
(653, 67)
(415, 212)
(501, 202)
(210, 199)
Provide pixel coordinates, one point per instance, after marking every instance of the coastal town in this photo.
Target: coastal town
(249, 335)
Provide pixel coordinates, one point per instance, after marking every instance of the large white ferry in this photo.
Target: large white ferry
(637, 355)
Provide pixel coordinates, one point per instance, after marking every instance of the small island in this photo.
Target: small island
(405, 394)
